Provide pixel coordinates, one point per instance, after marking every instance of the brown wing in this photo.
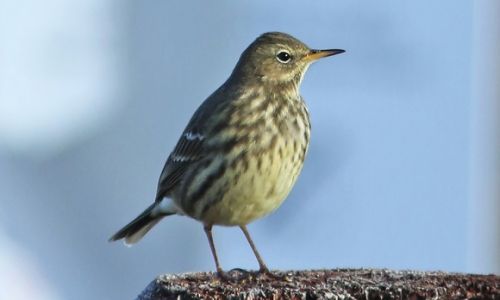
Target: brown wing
(191, 147)
(187, 151)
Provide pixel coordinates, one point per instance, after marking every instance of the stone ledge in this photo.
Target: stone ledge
(326, 284)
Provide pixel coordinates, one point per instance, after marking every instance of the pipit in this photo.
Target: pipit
(244, 147)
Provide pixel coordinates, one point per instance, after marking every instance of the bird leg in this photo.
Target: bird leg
(208, 232)
(262, 265)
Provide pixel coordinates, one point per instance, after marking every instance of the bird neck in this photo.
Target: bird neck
(287, 89)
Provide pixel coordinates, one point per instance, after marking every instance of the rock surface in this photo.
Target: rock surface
(325, 284)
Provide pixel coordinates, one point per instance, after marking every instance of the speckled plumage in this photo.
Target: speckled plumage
(244, 147)
(263, 151)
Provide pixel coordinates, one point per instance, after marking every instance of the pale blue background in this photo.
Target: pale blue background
(386, 181)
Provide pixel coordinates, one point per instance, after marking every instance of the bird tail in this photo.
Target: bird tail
(136, 229)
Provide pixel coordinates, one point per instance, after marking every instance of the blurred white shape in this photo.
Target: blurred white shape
(58, 75)
(20, 277)
(484, 205)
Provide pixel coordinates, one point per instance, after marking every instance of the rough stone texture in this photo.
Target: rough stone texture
(326, 284)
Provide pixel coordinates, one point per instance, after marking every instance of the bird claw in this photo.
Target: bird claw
(239, 274)
(236, 274)
(264, 272)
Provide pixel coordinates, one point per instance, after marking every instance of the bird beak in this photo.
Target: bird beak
(317, 54)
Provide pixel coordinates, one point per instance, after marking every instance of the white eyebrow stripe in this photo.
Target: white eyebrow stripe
(190, 136)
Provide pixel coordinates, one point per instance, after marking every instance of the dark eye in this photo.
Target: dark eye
(283, 56)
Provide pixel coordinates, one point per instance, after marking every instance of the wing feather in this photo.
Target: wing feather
(187, 151)
(191, 146)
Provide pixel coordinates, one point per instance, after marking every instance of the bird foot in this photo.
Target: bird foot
(265, 273)
(239, 274)
(233, 275)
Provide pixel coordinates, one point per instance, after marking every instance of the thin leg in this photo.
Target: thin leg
(208, 231)
(262, 265)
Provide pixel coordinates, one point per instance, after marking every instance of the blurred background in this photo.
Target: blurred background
(403, 169)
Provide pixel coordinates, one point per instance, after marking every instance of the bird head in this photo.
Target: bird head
(278, 58)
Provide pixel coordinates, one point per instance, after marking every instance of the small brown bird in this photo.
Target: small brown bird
(244, 147)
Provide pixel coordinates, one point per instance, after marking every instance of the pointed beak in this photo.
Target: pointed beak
(317, 54)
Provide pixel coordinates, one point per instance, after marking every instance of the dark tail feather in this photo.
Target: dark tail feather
(136, 229)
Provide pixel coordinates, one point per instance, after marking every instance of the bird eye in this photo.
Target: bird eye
(283, 57)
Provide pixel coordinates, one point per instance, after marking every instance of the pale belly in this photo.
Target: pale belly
(259, 189)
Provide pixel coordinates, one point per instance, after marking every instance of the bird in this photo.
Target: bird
(244, 147)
